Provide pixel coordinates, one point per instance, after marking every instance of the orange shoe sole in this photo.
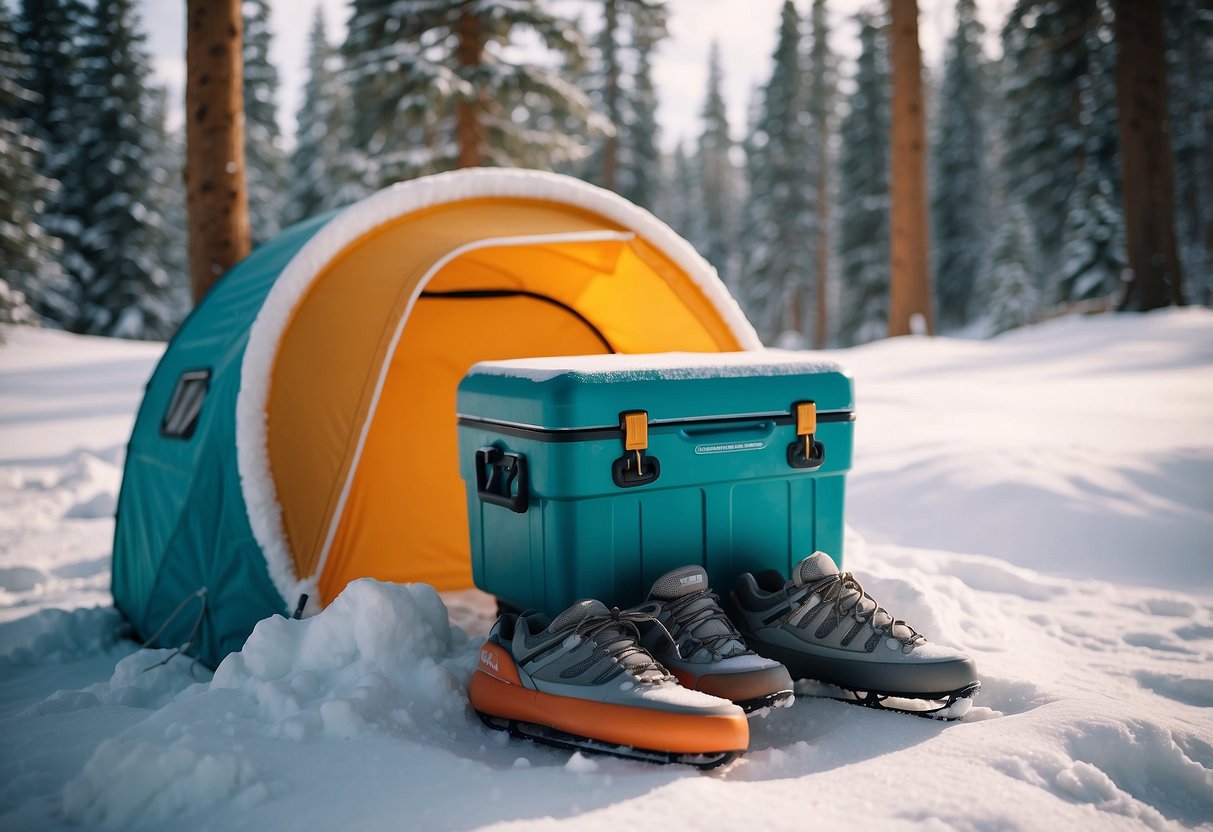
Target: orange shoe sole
(496, 689)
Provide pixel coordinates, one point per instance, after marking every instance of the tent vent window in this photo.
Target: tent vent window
(181, 418)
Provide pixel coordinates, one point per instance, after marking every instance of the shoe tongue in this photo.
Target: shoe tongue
(813, 568)
(685, 581)
(577, 613)
(679, 582)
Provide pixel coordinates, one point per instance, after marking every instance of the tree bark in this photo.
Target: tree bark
(610, 148)
(909, 280)
(1145, 156)
(823, 231)
(216, 195)
(469, 129)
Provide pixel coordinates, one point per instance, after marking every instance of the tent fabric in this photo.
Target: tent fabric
(324, 449)
(373, 218)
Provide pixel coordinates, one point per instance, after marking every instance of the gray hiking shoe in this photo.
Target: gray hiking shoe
(823, 626)
(584, 681)
(699, 645)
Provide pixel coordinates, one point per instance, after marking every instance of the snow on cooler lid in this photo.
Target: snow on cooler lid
(666, 366)
(591, 391)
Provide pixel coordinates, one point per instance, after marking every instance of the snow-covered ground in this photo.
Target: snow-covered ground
(1043, 500)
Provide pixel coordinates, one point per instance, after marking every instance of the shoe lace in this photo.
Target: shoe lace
(618, 635)
(691, 612)
(840, 588)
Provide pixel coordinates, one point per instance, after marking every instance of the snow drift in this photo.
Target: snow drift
(988, 511)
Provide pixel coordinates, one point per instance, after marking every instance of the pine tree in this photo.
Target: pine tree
(125, 289)
(715, 228)
(1190, 55)
(314, 162)
(680, 193)
(779, 275)
(641, 175)
(863, 172)
(264, 158)
(49, 32)
(465, 99)
(29, 267)
(822, 89)
(1061, 142)
(168, 200)
(620, 86)
(959, 186)
(1009, 279)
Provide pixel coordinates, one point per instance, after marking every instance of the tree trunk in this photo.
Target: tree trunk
(823, 231)
(909, 281)
(610, 149)
(469, 129)
(1145, 156)
(216, 195)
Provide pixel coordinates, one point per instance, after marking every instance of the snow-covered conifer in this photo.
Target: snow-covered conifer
(125, 290)
(778, 277)
(1061, 137)
(822, 87)
(29, 267)
(960, 189)
(619, 84)
(714, 228)
(1189, 28)
(49, 33)
(264, 158)
(1009, 280)
(679, 201)
(168, 200)
(863, 173)
(313, 186)
(436, 85)
(641, 178)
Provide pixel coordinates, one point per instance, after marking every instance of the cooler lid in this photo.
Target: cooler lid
(566, 392)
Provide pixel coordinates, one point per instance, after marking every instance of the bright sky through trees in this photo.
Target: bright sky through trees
(745, 29)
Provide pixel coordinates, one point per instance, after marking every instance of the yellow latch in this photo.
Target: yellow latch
(636, 430)
(806, 418)
(806, 424)
(636, 433)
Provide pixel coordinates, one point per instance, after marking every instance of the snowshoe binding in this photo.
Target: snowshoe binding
(584, 682)
(824, 627)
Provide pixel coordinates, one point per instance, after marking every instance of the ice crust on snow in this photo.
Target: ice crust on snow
(668, 366)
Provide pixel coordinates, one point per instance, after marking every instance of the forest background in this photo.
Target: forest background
(790, 201)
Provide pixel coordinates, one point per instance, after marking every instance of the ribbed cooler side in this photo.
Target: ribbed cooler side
(583, 536)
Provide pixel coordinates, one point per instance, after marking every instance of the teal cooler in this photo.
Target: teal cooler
(591, 476)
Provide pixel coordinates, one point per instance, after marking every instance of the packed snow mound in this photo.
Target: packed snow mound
(373, 659)
(58, 636)
(381, 660)
(145, 679)
(148, 784)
